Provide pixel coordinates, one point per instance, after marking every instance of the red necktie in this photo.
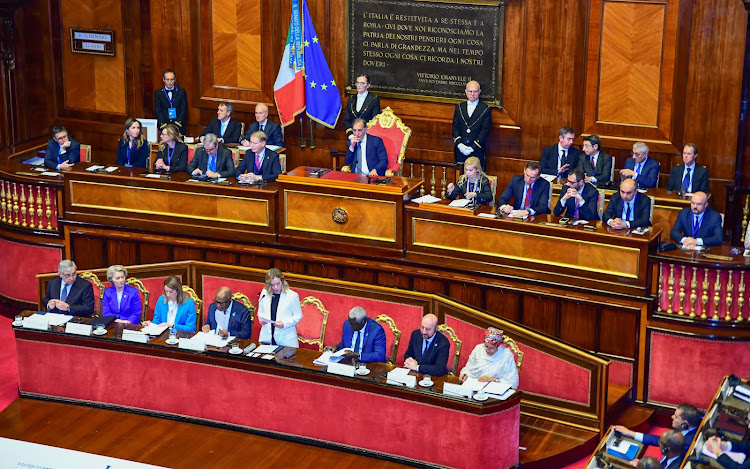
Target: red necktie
(257, 162)
(527, 202)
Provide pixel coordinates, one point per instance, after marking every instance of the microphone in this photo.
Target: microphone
(618, 437)
(249, 348)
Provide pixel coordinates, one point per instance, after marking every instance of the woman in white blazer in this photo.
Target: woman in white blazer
(279, 311)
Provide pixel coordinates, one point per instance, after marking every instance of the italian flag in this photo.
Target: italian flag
(289, 88)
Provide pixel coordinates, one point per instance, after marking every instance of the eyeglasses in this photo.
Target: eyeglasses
(635, 153)
(222, 302)
(70, 275)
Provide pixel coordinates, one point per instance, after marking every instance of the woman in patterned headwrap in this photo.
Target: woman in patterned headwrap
(490, 361)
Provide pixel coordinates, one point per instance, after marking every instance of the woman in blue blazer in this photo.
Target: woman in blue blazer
(173, 308)
(120, 300)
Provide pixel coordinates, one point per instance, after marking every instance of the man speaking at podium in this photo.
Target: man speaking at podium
(366, 153)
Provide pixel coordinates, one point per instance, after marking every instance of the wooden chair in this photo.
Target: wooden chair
(457, 343)
(511, 344)
(600, 202)
(198, 305)
(493, 187)
(235, 156)
(652, 201)
(242, 298)
(395, 135)
(311, 329)
(282, 162)
(85, 153)
(98, 290)
(191, 151)
(145, 294)
(388, 321)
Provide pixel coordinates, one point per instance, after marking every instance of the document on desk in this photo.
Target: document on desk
(460, 203)
(331, 357)
(740, 392)
(212, 339)
(154, 329)
(496, 388)
(426, 199)
(739, 458)
(268, 349)
(625, 449)
(473, 384)
(95, 167)
(49, 173)
(57, 319)
(550, 178)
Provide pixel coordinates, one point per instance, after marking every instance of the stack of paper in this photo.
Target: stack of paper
(214, 340)
(740, 392)
(473, 384)
(739, 458)
(426, 199)
(331, 357)
(498, 390)
(625, 450)
(154, 329)
(267, 349)
(460, 202)
(57, 319)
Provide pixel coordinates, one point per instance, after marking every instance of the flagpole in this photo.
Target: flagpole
(312, 135)
(302, 143)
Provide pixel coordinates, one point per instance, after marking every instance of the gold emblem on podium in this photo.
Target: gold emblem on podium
(339, 215)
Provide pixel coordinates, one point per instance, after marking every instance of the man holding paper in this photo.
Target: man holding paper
(428, 349)
(227, 317)
(363, 336)
(69, 294)
(530, 193)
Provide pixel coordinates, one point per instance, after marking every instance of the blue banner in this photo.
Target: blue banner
(296, 36)
(321, 93)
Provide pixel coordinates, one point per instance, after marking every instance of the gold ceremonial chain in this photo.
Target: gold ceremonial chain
(467, 110)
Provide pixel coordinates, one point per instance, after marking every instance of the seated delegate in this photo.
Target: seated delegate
(363, 335)
(227, 317)
(530, 193)
(473, 183)
(133, 149)
(173, 154)
(697, 225)
(173, 308)
(490, 361)
(68, 293)
(428, 349)
(62, 150)
(260, 164)
(120, 300)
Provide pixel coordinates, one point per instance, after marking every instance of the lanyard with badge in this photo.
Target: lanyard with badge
(172, 110)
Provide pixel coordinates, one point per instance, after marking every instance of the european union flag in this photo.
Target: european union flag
(322, 95)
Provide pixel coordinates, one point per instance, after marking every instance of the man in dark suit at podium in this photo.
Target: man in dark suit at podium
(226, 129)
(688, 176)
(228, 317)
(578, 199)
(69, 294)
(170, 102)
(530, 193)
(366, 153)
(697, 225)
(212, 160)
(428, 349)
(557, 160)
(259, 164)
(596, 164)
(274, 136)
(62, 151)
(472, 121)
(628, 208)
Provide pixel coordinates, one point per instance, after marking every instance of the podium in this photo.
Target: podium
(321, 208)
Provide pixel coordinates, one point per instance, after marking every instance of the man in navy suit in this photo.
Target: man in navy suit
(688, 176)
(719, 447)
(472, 121)
(596, 164)
(685, 420)
(629, 208)
(557, 160)
(643, 169)
(364, 336)
(265, 125)
(530, 193)
(363, 105)
(62, 151)
(227, 317)
(223, 126)
(428, 349)
(212, 160)
(69, 294)
(259, 164)
(580, 200)
(697, 225)
(366, 153)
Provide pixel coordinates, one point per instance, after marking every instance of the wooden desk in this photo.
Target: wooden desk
(538, 248)
(334, 208)
(127, 198)
(278, 397)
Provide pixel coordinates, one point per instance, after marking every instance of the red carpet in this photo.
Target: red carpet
(650, 451)
(8, 367)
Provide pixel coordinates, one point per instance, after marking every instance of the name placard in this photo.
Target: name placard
(192, 344)
(36, 321)
(78, 329)
(427, 49)
(451, 389)
(92, 41)
(342, 370)
(134, 336)
(409, 381)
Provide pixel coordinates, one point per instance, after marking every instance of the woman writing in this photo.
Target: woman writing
(121, 300)
(473, 183)
(133, 149)
(278, 311)
(173, 154)
(173, 308)
(490, 361)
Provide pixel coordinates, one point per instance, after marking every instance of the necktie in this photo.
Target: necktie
(257, 162)
(627, 211)
(593, 164)
(686, 181)
(212, 163)
(358, 156)
(527, 201)
(575, 214)
(223, 128)
(638, 168)
(64, 294)
(424, 346)
(696, 225)
(563, 159)
(356, 341)
(260, 127)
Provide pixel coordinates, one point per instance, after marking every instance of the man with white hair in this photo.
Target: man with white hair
(69, 294)
(642, 169)
(364, 336)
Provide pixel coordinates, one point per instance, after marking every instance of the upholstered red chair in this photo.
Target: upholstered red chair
(392, 336)
(98, 290)
(144, 293)
(311, 330)
(85, 153)
(456, 344)
(191, 151)
(395, 135)
(513, 347)
(190, 293)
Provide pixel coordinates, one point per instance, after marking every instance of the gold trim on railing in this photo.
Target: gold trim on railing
(422, 190)
(2, 197)
(15, 205)
(717, 297)
(694, 293)
(730, 292)
(39, 207)
(741, 296)
(445, 182)
(670, 291)
(31, 207)
(661, 287)
(681, 292)
(432, 182)
(745, 212)
(704, 297)
(48, 211)
(22, 187)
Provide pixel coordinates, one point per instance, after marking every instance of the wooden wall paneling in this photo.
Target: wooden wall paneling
(578, 323)
(358, 274)
(321, 269)
(122, 252)
(184, 253)
(88, 252)
(429, 284)
(393, 279)
(152, 253)
(618, 331)
(255, 261)
(221, 257)
(466, 292)
(289, 265)
(541, 314)
(503, 303)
